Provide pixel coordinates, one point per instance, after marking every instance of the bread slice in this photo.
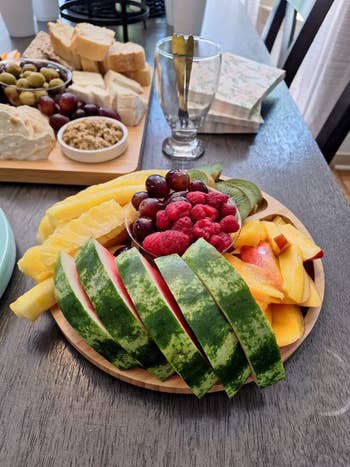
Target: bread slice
(87, 78)
(89, 65)
(61, 35)
(125, 57)
(91, 41)
(141, 76)
(115, 77)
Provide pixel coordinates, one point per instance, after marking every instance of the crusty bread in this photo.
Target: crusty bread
(89, 65)
(91, 41)
(61, 36)
(41, 49)
(141, 76)
(125, 57)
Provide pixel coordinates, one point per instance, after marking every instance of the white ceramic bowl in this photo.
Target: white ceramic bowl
(94, 155)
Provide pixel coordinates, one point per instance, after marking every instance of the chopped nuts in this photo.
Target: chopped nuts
(92, 134)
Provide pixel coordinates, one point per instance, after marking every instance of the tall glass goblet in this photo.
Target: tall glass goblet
(195, 85)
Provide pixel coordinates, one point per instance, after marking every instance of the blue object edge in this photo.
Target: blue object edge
(8, 255)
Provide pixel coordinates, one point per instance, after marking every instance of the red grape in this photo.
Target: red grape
(143, 226)
(57, 121)
(138, 197)
(46, 105)
(149, 207)
(80, 104)
(79, 113)
(177, 198)
(177, 179)
(90, 109)
(198, 185)
(67, 103)
(107, 112)
(156, 185)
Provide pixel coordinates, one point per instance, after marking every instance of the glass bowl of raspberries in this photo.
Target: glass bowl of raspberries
(174, 211)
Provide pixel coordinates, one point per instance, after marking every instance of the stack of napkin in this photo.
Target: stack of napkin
(243, 85)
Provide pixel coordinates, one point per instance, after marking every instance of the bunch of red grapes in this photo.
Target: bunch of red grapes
(66, 107)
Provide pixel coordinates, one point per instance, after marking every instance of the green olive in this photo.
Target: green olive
(49, 73)
(56, 82)
(27, 98)
(45, 85)
(12, 95)
(29, 67)
(40, 93)
(27, 73)
(36, 80)
(14, 69)
(7, 78)
(23, 83)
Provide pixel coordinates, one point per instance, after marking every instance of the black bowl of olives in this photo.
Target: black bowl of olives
(24, 81)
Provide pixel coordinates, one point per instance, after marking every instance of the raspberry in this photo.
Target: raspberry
(221, 241)
(200, 211)
(166, 243)
(162, 220)
(185, 225)
(205, 228)
(228, 209)
(178, 209)
(229, 224)
(196, 197)
(216, 199)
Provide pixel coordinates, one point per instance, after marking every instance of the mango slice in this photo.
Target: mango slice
(287, 323)
(293, 273)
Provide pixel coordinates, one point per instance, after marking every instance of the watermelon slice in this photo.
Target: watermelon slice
(233, 297)
(210, 327)
(102, 282)
(80, 314)
(164, 321)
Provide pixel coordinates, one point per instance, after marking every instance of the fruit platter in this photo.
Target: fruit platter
(177, 281)
(73, 77)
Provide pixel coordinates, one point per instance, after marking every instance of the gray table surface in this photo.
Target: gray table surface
(58, 410)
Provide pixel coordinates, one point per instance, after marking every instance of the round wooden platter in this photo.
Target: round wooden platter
(175, 384)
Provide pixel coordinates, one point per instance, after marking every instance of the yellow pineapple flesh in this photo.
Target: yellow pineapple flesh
(31, 265)
(97, 222)
(45, 229)
(33, 303)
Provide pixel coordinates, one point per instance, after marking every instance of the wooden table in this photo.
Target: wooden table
(58, 410)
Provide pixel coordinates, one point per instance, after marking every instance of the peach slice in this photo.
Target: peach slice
(263, 256)
(279, 220)
(287, 323)
(257, 280)
(293, 274)
(308, 248)
(314, 298)
(275, 237)
(251, 234)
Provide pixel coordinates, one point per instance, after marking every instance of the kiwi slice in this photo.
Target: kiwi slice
(250, 189)
(197, 174)
(213, 170)
(242, 201)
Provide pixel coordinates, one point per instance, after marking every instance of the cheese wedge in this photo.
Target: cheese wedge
(129, 105)
(91, 41)
(86, 78)
(115, 77)
(91, 94)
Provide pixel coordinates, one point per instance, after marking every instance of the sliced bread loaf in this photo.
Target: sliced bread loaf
(61, 37)
(125, 57)
(91, 41)
(141, 76)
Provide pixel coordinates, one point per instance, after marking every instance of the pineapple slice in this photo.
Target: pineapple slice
(68, 209)
(34, 302)
(97, 222)
(45, 229)
(31, 265)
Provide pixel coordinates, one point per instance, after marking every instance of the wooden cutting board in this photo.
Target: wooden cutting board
(58, 169)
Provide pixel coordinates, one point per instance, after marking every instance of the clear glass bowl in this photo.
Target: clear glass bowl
(10, 92)
(132, 215)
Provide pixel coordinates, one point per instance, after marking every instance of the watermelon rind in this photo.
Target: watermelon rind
(81, 316)
(209, 325)
(96, 275)
(165, 328)
(232, 295)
